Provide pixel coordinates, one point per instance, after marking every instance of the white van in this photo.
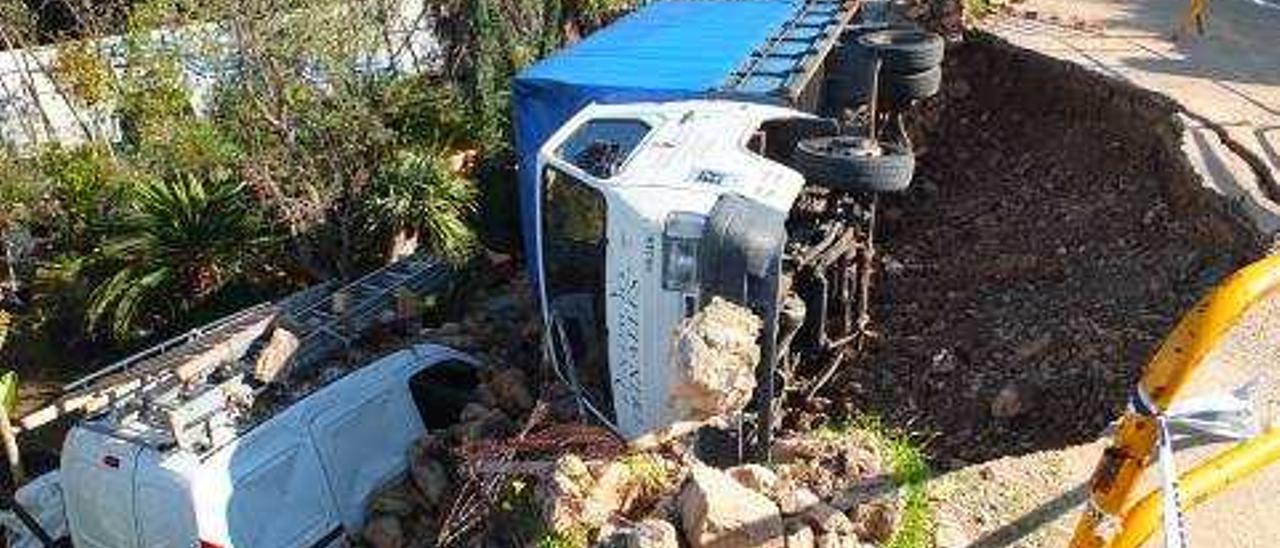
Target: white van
(300, 478)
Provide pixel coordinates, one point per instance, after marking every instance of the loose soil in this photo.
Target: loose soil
(1053, 235)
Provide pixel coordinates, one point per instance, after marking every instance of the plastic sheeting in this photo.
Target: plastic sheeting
(666, 51)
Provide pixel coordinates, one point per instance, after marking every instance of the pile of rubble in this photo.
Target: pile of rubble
(820, 492)
(518, 468)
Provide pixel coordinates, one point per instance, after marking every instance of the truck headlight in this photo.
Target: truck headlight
(680, 242)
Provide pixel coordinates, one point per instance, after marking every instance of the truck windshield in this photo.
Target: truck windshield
(573, 260)
(600, 147)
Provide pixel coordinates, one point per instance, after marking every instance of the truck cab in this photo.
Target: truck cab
(711, 150)
(632, 199)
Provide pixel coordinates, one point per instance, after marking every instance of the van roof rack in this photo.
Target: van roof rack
(167, 393)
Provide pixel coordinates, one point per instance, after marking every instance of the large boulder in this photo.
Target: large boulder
(714, 362)
(718, 512)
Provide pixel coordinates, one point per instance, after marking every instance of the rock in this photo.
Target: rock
(396, 501)
(718, 512)
(566, 497)
(474, 411)
(755, 477)
(799, 535)
(274, 358)
(828, 540)
(384, 532)
(944, 361)
(649, 533)
(860, 461)
(795, 449)
(431, 478)
(716, 353)
(793, 499)
(616, 488)
(862, 493)
(1033, 348)
(825, 519)
(1013, 399)
(510, 387)
(479, 422)
(876, 521)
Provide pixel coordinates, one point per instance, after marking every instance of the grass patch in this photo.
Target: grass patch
(577, 538)
(910, 469)
(978, 8)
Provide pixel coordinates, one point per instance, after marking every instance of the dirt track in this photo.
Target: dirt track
(1053, 235)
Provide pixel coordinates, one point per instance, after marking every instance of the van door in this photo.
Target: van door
(362, 435)
(266, 490)
(97, 474)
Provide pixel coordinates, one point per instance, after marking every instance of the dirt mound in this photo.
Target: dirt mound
(1053, 235)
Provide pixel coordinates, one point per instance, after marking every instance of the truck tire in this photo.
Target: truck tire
(852, 68)
(901, 89)
(851, 164)
(905, 51)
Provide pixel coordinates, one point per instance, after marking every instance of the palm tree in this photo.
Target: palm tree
(182, 239)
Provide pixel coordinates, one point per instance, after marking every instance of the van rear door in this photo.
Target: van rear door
(97, 475)
(362, 431)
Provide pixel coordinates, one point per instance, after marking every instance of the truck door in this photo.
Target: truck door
(362, 436)
(97, 474)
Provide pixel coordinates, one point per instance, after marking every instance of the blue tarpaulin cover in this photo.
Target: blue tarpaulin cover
(665, 51)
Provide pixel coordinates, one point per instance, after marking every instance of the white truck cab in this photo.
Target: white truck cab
(301, 477)
(631, 199)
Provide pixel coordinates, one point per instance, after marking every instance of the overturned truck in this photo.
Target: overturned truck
(708, 150)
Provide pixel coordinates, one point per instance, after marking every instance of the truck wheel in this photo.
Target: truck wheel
(905, 51)
(853, 164)
(901, 89)
(852, 71)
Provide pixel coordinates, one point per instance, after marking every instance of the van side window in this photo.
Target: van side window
(442, 390)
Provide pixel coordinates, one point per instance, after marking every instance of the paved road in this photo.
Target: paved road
(1230, 76)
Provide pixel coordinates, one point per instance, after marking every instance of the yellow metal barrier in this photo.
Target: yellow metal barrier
(1196, 15)
(1198, 484)
(1181, 353)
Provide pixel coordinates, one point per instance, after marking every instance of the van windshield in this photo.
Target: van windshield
(573, 262)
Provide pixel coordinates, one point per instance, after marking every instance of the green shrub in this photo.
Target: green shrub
(20, 191)
(84, 186)
(426, 114)
(181, 240)
(416, 190)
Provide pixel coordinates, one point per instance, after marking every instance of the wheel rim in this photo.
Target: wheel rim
(852, 147)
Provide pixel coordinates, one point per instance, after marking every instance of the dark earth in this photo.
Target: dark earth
(1046, 265)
